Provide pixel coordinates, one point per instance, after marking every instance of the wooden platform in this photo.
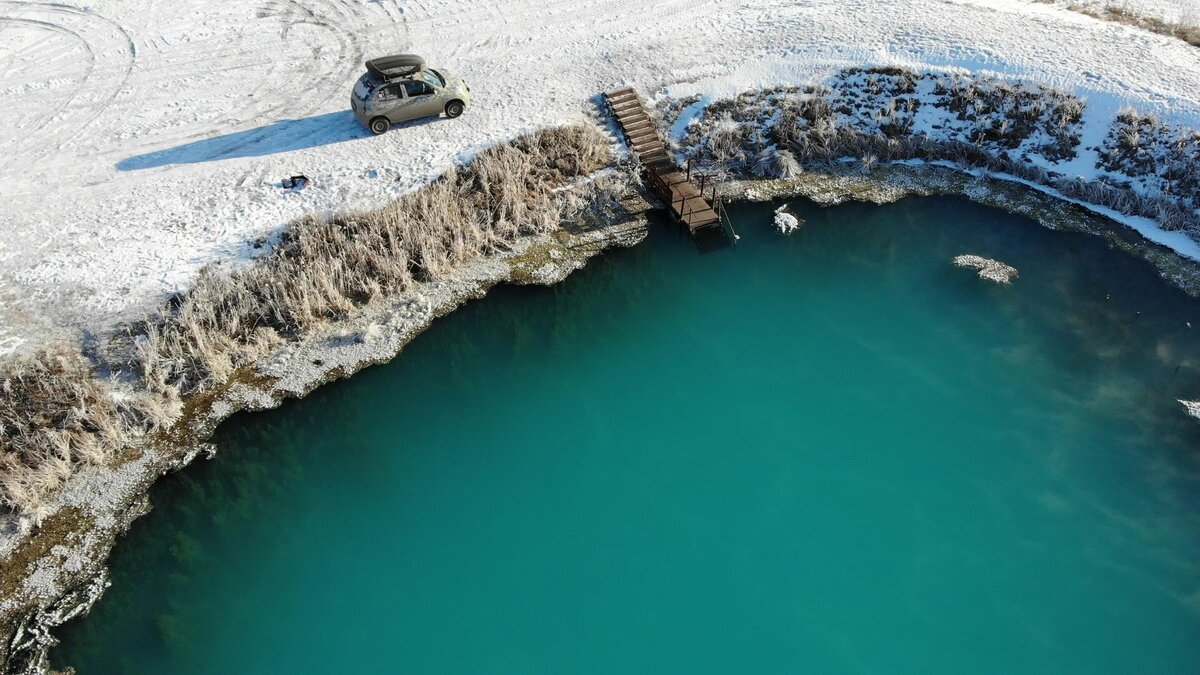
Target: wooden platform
(676, 187)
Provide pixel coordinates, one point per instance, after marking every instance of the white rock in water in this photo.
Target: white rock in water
(992, 270)
(786, 223)
(1192, 407)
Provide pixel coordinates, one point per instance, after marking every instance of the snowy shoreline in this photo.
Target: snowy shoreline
(892, 182)
(56, 572)
(105, 224)
(116, 199)
(1129, 167)
(69, 574)
(59, 571)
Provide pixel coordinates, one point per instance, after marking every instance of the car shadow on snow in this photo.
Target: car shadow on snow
(274, 138)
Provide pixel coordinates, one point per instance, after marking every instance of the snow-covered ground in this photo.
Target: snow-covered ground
(1185, 12)
(141, 139)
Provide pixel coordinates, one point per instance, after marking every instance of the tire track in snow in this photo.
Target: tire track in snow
(531, 62)
(111, 54)
(334, 48)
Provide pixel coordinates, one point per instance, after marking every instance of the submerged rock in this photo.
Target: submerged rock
(992, 270)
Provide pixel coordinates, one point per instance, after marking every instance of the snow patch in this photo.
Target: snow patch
(1192, 407)
(786, 223)
(117, 198)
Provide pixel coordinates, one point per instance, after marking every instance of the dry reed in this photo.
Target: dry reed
(57, 413)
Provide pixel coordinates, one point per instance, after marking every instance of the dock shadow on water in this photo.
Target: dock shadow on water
(278, 137)
(827, 452)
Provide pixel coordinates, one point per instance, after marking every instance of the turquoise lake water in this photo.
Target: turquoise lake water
(831, 452)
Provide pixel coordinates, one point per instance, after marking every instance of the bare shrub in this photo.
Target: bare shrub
(775, 163)
(1165, 159)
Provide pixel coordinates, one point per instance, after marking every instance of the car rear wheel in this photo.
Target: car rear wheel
(380, 125)
(454, 109)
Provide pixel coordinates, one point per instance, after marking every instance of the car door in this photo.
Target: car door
(422, 99)
(388, 101)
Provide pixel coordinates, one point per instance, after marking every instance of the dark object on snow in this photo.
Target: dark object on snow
(392, 67)
(296, 182)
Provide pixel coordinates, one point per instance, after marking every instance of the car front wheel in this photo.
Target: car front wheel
(454, 109)
(380, 125)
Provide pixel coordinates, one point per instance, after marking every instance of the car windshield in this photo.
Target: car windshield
(433, 77)
(365, 85)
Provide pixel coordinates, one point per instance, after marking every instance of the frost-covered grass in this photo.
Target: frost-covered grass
(869, 116)
(1177, 18)
(325, 267)
(1163, 159)
(887, 113)
(57, 413)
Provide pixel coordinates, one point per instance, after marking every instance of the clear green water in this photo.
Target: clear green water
(832, 452)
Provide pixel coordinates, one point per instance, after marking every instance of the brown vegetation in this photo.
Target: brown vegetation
(57, 413)
(1187, 28)
(867, 116)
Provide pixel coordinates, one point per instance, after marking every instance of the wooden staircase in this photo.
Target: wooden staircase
(675, 186)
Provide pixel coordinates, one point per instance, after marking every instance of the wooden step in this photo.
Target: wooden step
(643, 133)
(647, 140)
(659, 164)
(631, 115)
(673, 178)
(638, 126)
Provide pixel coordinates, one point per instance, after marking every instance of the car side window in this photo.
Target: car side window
(389, 93)
(415, 88)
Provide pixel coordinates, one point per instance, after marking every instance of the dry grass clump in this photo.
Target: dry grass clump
(1165, 159)
(326, 267)
(1186, 27)
(1006, 115)
(57, 414)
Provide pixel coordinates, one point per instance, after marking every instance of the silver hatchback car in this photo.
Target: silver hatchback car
(400, 88)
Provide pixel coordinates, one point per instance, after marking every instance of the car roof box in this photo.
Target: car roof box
(399, 65)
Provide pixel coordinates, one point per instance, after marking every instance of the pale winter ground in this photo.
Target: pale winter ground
(1186, 12)
(142, 139)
